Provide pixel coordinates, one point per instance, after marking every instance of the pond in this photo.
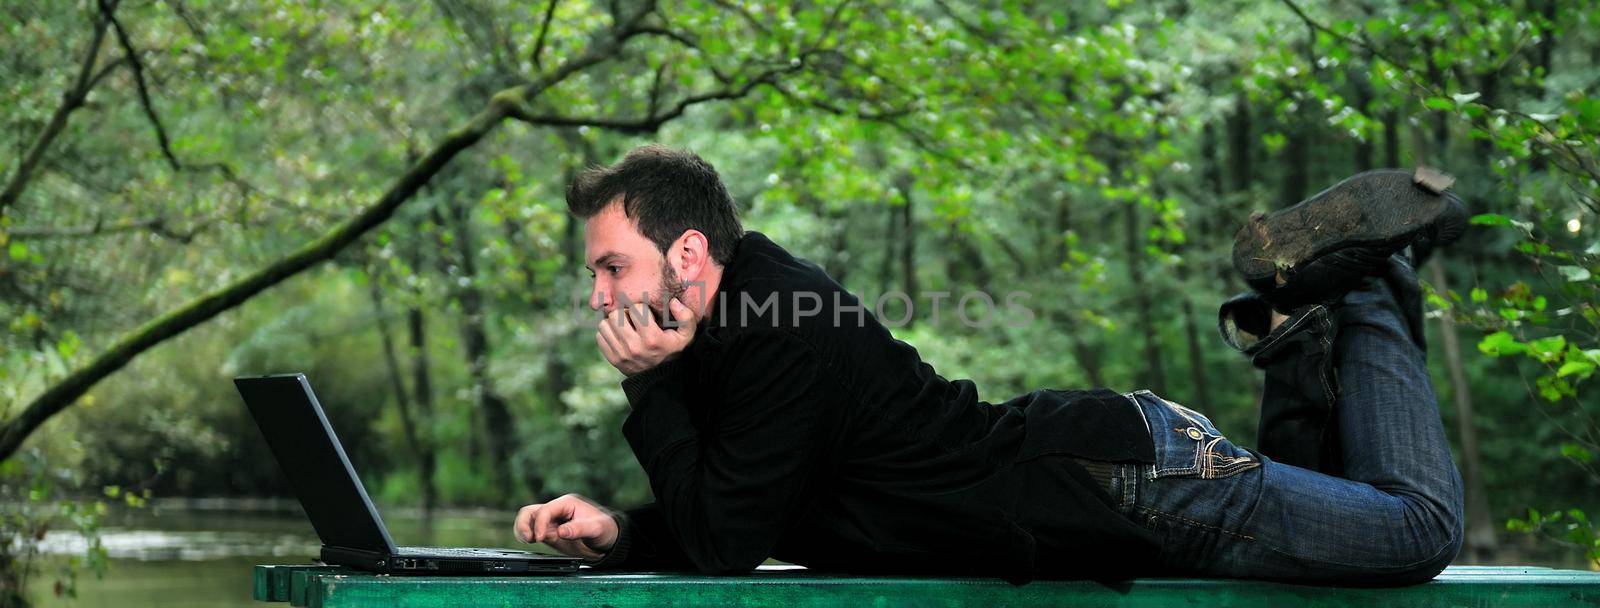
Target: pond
(200, 552)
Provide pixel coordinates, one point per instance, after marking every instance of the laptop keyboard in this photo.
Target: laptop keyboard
(457, 552)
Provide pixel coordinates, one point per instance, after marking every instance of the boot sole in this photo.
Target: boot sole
(1384, 208)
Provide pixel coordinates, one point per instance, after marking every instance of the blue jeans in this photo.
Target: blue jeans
(1392, 513)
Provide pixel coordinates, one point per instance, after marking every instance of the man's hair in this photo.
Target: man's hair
(665, 191)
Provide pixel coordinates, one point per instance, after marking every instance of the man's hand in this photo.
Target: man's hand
(571, 524)
(630, 339)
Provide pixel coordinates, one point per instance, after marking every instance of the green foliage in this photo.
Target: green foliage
(35, 500)
(1098, 156)
(1572, 528)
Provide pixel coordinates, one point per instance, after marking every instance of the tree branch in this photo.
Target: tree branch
(71, 101)
(651, 121)
(689, 43)
(655, 88)
(890, 118)
(106, 70)
(137, 66)
(203, 308)
(970, 27)
(544, 29)
(189, 22)
(155, 224)
(98, 228)
(749, 18)
(1560, 153)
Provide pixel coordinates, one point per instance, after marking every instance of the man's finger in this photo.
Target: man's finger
(645, 320)
(606, 350)
(580, 529)
(627, 329)
(608, 332)
(681, 315)
(543, 531)
(522, 525)
(618, 318)
(617, 328)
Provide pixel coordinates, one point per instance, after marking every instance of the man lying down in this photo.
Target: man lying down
(776, 417)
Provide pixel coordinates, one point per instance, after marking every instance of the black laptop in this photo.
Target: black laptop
(352, 534)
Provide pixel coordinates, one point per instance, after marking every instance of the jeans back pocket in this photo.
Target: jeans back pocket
(1187, 444)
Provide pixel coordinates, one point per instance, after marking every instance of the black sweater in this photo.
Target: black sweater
(821, 440)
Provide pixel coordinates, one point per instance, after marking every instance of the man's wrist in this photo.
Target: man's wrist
(618, 553)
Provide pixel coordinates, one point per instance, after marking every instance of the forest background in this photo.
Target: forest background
(372, 193)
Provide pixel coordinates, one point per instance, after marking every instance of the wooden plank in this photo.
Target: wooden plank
(261, 583)
(270, 582)
(325, 587)
(302, 582)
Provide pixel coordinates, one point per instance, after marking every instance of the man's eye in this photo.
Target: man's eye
(614, 270)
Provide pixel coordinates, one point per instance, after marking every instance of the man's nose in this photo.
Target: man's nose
(598, 299)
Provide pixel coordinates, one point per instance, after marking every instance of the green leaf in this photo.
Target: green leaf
(18, 251)
(68, 345)
(1583, 369)
(1547, 347)
(1495, 219)
(1553, 388)
(1574, 274)
(1439, 103)
(1578, 534)
(1500, 343)
(1578, 516)
(1576, 452)
(1479, 295)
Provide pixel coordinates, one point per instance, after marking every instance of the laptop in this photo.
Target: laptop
(352, 533)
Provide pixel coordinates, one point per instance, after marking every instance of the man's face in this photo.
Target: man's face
(627, 267)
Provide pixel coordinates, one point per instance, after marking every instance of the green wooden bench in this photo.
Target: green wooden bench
(327, 586)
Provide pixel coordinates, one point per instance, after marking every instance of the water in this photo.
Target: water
(201, 553)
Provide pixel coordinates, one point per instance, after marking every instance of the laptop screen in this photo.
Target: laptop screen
(310, 455)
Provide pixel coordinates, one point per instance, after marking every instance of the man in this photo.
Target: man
(775, 418)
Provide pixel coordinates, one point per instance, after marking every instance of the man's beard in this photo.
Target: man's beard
(671, 287)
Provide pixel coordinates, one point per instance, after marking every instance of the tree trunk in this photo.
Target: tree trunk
(1481, 542)
(1489, 89)
(1547, 46)
(1363, 150)
(891, 230)
(1239, 132)
(1197, 361)
(965, 265)
(1391, 138)
(408, 423)
(839, 254)
(1088, 360)
(1297, 161)
(495, 412)
(1152, 372)
(908, 237)
(422, 384)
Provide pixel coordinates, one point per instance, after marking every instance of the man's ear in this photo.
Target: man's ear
(690, 255)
